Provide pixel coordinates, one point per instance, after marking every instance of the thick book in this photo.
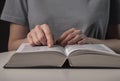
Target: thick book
(87, 55)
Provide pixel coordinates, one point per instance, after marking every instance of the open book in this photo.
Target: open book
(88, 55)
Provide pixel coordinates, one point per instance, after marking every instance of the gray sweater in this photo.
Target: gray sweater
(90, 16)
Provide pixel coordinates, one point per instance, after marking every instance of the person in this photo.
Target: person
(64, 22)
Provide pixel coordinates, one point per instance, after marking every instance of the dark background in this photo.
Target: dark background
(115, 12)
(4, 26)
(4, 31)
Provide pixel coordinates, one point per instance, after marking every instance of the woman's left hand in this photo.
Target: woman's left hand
(72, 36)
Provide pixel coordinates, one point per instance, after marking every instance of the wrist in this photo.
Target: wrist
(93, 40)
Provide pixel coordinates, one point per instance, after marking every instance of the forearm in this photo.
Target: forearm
(114, 44)
(13, 45)
(18, 35)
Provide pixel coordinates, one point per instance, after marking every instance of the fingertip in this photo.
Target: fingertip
(49, 45)
(32, 44)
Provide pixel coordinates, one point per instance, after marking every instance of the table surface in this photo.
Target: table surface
(55, 74)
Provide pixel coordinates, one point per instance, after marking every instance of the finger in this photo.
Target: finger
(48, 34)
(30, 39)
(40, 35)
(65, 34)
(64, 42)
(74, 40)
(70, 37)
(83, 41)
(34, 37)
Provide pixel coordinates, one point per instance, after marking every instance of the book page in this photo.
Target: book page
(91, 47)
(25, 47)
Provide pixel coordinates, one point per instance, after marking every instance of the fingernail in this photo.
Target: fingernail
(49, 45)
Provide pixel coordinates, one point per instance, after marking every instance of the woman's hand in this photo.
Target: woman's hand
(72, 36)
(41, 35)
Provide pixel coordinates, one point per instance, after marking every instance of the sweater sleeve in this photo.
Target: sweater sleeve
(15, 11)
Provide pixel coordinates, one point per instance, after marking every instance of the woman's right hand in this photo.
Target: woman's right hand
(41, 35)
